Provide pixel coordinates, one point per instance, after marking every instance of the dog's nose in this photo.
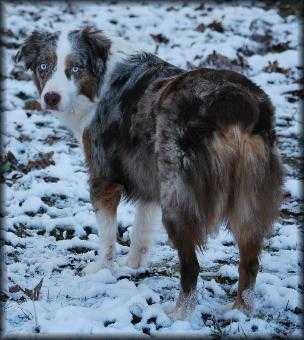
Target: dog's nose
(52, 98)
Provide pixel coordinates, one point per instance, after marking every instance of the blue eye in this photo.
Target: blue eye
(75, 69)
(43, 67)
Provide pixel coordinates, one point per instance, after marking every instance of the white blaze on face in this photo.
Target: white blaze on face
(58, 82)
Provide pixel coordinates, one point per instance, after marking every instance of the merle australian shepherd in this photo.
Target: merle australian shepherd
(199, 144)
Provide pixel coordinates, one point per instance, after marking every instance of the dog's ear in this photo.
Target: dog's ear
(30, 49)
(98, 43)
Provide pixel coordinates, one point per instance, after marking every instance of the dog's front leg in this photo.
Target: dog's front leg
(105, 199)
(141, 234)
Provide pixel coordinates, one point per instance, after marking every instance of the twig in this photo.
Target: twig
(33, 295)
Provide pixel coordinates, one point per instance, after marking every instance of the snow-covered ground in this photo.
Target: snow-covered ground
(49, 224)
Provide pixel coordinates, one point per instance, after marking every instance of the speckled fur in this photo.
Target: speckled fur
(201, 144)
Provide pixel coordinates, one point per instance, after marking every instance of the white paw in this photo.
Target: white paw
(133, 261)
(96, 266)
(176, 312)
(92, 267)
(185, 305)
(136, 257)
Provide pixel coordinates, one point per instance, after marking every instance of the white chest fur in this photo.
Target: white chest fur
(79, 118)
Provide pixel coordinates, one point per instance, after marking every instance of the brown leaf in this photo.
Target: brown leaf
(14, 289)
(51, 179)
(296, 93)
(240, 61)
(20, 230)
(11, 158)
(275, 67)
(24, 138)
(32, 105)
(262, 38)
(32, 294)
(7, 32)
(160, 38)
(279, 47)
(172, 8)
(51, 139)
(220, 61)
(22, 95)
(201, 28)
(200, 7)
(43, 162)
(216, 26)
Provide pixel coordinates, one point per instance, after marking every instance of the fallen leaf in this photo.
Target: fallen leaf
(32, 105)
(216, 26)
(220, 61)
(44, 160)
(275, 67)
(22, 95)
(160, 38)
(296, 93)
(201, 28)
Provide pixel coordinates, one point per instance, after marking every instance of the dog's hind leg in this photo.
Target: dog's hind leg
(250, 247)
(176, 226)
(105, 199)
(183, 228)
(141, 233)
(256, 192)
(250, 236)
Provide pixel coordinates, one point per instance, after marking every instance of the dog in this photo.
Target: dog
(200, 144)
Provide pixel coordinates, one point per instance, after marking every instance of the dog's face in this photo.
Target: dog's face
(68, 67)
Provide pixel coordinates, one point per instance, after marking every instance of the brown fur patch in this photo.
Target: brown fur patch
(105, 195)
(87, 142)
(88, 86)
(251, 179)
(248, 267)
(41, 77)
(243, 163)
(86, 81)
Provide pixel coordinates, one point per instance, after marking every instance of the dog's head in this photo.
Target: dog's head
(67, 66)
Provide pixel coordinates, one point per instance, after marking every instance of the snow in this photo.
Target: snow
(295, 187)
(50, 229)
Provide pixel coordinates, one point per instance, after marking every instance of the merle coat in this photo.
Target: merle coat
(201, 144)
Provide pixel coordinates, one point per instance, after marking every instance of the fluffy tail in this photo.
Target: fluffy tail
(241, 171)
(254, 176)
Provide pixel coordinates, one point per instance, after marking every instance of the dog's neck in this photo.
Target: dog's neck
(80, 117)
